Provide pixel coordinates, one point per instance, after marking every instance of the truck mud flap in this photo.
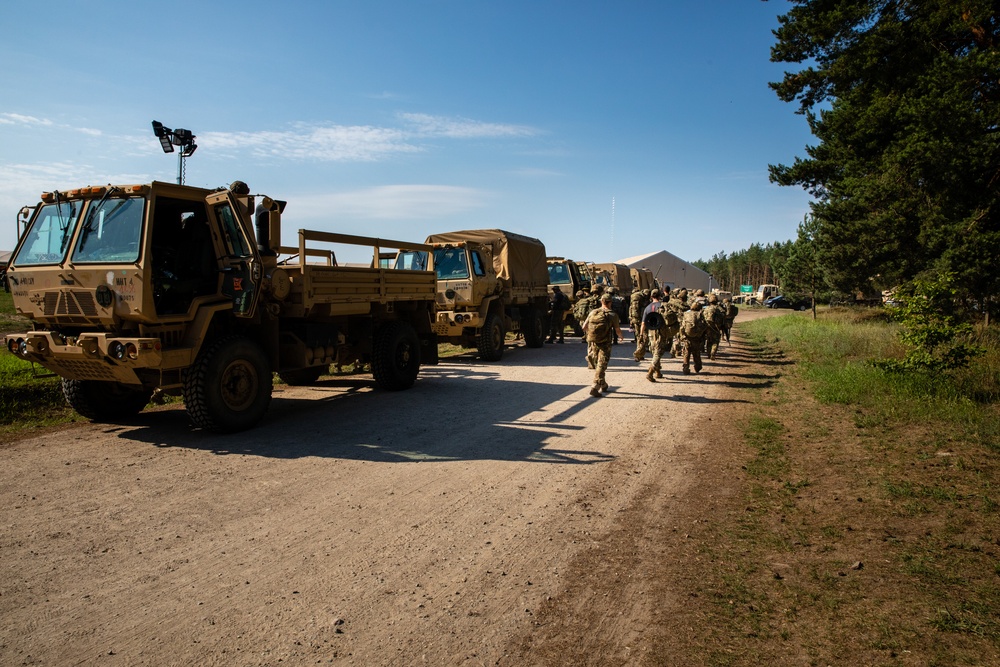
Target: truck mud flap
(428, 350)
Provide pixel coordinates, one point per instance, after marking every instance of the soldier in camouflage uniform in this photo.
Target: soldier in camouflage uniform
(639, 304)
(678, 305)
(693, 328)
(716, 320)
(580, 309)
(601, 324)
(731, 310)
(654, 325)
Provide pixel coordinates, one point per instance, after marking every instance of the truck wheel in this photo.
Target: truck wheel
(104, 401)
(302, 377)
(396, 356)
(229, 386)
(533, 327)
(491, 338)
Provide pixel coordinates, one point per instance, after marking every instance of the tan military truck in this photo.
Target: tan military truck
(642, 278)
(618, 276)
(489, 282)
(137, 288)
(565, 273)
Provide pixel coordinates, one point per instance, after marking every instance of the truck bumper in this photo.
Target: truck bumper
(92, 356)
(451, 324)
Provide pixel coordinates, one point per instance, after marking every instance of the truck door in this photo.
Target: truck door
(240, 263)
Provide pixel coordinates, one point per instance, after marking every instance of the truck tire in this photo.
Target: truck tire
(396, 356)
(303, 377)
(533, 327)
(491, 338)
(228, 388)
(103, 401)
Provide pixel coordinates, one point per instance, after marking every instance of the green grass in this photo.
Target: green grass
(866, 528)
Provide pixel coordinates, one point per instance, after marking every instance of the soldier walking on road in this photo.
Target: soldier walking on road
(731, 310)
(716, 320)
(654, 325)
(599, 326)
(693, 328)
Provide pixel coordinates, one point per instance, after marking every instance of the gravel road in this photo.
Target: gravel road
(431, 526)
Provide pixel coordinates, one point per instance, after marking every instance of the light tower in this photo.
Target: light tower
(184, 139)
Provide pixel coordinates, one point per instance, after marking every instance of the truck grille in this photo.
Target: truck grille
(70, 303)
(85, 370)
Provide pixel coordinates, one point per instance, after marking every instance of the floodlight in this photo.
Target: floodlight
(163, 134)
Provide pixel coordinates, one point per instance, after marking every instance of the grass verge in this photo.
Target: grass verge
(870, 533)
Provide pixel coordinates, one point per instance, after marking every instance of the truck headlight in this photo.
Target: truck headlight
(116, 350)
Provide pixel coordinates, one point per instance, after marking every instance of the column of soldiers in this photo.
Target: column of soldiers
(687, 329)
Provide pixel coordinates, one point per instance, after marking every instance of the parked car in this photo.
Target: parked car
(788, 302)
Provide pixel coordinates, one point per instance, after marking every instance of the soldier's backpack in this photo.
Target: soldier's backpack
(693, 324)
(654, 318)
(599, 326)
(669, 316)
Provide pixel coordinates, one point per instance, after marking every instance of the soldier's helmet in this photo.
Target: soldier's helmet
(645, 292)
(713, 298)
(599, 289)
(581, 294)
(699, 292)
(682, 295)
(605, 298)
(696, 305)
(239, 188)
(656, 294)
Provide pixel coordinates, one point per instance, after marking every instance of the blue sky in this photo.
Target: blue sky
(401, 118)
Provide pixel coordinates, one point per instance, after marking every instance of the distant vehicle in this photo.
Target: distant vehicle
(788, 302)
(765, 292)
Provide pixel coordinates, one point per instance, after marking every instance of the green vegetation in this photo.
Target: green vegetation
(870, 533)
(903, 99)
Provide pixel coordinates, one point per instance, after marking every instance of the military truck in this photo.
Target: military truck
(642, 278)
(489, 282)
(565, 273)
(137, 288)
(618, 276)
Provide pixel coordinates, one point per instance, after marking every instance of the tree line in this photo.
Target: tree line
(903, 98)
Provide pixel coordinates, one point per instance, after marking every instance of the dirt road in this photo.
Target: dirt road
(488, 516)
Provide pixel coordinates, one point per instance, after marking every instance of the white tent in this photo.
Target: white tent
(671, 271)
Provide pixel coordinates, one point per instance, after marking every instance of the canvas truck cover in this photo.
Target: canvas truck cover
(519, 261)
(620, 275)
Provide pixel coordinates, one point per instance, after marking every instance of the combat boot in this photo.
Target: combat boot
(604, 387)
(650, 374)
(595, 391)
(659, 375)
(687, 370)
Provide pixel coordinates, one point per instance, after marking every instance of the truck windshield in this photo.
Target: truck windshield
(449, 263)
(111, 232)
(412, 260)
(559, 274)
(46, 241)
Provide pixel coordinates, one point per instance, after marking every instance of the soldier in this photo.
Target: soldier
(731, 310)
(639, 303)
(600, 324)
(692, 332)
(557, 314)
(716, 320)
(654, 325)
(678, 305)
(580, 310)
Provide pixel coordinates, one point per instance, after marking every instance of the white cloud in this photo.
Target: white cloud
(336, 143)
(390, 202)
(20, 119)
(463, 128)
